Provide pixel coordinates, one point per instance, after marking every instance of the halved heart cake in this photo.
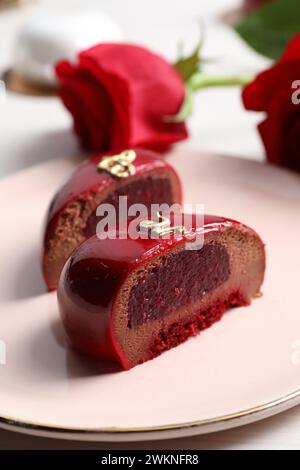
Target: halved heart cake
(140, 175)
(128, 300)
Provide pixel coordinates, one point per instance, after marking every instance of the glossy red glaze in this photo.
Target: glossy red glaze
(92, 278)
(87, 178)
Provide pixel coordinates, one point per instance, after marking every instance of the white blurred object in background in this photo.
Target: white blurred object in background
(46, 39)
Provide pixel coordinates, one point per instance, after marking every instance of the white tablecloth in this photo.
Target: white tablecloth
(35, 129)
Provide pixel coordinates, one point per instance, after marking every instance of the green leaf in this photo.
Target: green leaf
(269, 28)
(187, 66)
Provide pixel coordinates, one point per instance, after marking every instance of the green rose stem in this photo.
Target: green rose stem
(197, 82)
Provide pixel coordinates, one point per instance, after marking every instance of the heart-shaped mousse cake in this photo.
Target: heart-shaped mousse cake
(128, 300)
(140, 175)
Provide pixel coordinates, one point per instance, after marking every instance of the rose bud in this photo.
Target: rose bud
(253, 4)
(272, 92)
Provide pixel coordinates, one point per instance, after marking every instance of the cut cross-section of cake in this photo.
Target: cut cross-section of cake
(141, 176)
(129, 300)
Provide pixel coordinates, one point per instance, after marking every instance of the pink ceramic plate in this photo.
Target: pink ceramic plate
(242, 369)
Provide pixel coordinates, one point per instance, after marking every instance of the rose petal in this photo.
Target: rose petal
(89, 105)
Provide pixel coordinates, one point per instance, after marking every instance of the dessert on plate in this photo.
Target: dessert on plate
(141, 175)
(129, 300)
(44, 40)
(11, 3)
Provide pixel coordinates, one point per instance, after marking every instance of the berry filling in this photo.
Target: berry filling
(179, 279)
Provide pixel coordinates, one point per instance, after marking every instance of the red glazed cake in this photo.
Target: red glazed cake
(141, 175)
(129, 300)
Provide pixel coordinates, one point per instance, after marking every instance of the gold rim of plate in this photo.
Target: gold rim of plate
(29, 427)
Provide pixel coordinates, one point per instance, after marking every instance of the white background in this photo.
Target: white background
(35, 129)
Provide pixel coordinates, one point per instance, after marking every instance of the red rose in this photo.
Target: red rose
(120, 96)
(252, 4)
(272, 92)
